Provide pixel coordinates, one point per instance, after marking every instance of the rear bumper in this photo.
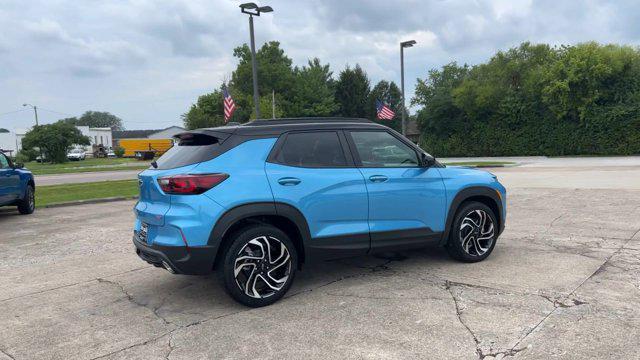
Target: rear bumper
(180, 259)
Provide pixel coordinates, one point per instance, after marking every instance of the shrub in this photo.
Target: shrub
(119, 151)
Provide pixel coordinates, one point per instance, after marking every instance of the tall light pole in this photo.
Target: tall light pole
(253, 9)
(35, 111)
(404, 44)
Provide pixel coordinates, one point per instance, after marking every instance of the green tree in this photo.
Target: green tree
(535, 100)
(2, 130)
(352, 92)
(97, 119)
(274, 74)
(54, 140)
(390, 94)
(313, 93)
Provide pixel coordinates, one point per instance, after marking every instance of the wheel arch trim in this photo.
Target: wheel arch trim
(470, 193)
(251, 210)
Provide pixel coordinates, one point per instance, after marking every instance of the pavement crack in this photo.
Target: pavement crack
(68, 285)
(170, 334)
(136, 302)
(595, 273)
(563, 302)
(479, 352)
(554, 221)
(448, 286)
(171, 347)
(3, 351)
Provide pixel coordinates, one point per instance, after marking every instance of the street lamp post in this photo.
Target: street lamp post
(35, 111)
(253, 9)
(404, 44)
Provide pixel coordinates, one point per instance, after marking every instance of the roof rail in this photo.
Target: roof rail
(281, 121)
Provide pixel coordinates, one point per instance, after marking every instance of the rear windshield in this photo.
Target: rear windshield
(190, 149)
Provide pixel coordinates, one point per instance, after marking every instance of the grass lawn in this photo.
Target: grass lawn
(53, 194)
(480, 163)
(88, 165)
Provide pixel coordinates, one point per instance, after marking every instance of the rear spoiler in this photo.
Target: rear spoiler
(220, 135)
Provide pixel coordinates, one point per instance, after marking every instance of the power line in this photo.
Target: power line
(12, 112)
(55, 112)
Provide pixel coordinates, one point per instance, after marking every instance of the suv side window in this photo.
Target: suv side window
(312, 149)
(381, 149)
(4, 162)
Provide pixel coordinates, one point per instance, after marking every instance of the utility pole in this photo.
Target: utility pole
(35, 111)
(253, 9)
(273, 104)
(404, 44)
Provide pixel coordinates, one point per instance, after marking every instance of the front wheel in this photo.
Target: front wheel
(473, 233)
(259, 265)
(27, 205)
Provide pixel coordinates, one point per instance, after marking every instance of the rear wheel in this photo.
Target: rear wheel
(259, 265)
(473, 234)
(27, 205)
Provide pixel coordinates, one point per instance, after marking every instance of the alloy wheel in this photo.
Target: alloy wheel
(477, 233)
(262, 267)
(31, 198)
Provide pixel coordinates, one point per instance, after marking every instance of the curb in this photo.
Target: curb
(90, 201)
(484, 166)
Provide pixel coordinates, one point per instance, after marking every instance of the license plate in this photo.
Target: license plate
(142, 234)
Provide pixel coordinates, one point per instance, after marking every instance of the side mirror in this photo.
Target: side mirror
(18, 165)
(428, 160)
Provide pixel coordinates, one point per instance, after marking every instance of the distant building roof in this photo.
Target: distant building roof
(133, 134)
(139, 134)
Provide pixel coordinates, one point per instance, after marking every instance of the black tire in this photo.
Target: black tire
(27, 205)
(461, 244)
(243, 244)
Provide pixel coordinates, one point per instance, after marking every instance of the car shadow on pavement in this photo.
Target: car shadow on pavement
(7, 213)
(203, 295)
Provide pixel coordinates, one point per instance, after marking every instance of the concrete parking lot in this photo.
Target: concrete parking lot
(563, 282)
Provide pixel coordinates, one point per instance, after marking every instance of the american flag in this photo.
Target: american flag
(384, 113)
(229, 105)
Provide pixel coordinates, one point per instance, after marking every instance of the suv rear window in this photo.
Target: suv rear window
(190, 149)
(312, 149)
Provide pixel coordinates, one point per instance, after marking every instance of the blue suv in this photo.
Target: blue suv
(17, 187)
(256, 201)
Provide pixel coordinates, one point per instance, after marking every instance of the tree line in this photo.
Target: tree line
(534, 100)
(305, 91)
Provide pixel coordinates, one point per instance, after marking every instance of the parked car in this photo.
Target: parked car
(76, 154)
(17, 187)
(257, 201)
(111, 154)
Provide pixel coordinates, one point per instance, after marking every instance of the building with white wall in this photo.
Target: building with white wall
(97, 136)
(12, 141)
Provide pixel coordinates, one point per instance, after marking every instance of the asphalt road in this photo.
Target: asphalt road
(563, 282)
(74, 178)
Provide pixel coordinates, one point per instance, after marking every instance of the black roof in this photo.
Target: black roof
(275, 127)
(133, 134)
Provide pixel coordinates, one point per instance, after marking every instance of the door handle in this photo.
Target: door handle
(289, 181)
(378, 178)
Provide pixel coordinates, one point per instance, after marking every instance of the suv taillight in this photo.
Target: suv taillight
(190, 184)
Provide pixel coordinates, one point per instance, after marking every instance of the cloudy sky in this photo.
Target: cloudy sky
(148, 60)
